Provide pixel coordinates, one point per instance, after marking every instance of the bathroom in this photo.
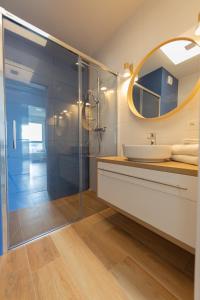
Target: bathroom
(88, 209)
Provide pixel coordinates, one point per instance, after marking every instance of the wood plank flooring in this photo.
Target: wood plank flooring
(27, 223)
(102, 257)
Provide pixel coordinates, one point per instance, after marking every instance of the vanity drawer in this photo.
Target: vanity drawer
(153, 201)
(183, 185)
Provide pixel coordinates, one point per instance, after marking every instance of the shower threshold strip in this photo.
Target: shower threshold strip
(39, 236)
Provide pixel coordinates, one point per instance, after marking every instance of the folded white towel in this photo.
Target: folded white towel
(185, 149)
(188, 159)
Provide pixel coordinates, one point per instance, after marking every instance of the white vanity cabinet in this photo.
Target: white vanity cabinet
(165, 201)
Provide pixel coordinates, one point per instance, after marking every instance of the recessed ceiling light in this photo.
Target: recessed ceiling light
(177, 51)
(103, 88)
(111, 91)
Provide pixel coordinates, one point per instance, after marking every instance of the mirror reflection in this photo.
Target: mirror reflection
(166, 78)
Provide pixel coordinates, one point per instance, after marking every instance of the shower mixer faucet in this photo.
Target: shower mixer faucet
(100, 129)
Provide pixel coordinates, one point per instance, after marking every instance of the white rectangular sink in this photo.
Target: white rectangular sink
(147, 153)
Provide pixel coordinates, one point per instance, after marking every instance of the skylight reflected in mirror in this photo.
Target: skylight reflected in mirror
(180, 51)
(166, 79)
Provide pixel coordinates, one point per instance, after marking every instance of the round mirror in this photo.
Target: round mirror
(166, 79)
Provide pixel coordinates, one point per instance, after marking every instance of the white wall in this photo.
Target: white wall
(153, 22)
(185, 85)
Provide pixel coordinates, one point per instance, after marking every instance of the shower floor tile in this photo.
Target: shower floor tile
(27, 223)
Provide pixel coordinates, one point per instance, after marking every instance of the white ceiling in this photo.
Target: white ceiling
(83, 24)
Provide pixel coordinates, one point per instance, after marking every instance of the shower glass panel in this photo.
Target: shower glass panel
(41, 91)
(99, 129)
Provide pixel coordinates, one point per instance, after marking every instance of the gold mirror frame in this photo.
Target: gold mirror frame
(136, 72)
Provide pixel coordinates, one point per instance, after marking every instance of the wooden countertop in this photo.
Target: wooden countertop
(170, 166)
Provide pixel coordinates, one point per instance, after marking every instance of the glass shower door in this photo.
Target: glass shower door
(41, 91)
(99, 129)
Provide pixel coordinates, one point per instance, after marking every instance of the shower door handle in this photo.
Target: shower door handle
(14, 135)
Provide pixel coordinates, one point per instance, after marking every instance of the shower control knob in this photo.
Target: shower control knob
(100, 129)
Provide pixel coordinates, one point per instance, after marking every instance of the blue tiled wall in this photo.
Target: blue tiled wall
(156, 81)
(153, 81)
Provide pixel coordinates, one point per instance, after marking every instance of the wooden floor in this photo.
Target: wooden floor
(103, 257)
(27, 223)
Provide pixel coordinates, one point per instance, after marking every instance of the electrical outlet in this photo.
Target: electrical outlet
(193, 124)
(170, 80)
(151, 135)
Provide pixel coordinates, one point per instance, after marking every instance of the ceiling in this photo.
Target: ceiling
(83, 24)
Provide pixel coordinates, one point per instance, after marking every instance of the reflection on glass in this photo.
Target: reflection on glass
(43, 168)
(99, 126)
(32, 132)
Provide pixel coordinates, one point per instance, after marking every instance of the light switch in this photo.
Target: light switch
(170, 80)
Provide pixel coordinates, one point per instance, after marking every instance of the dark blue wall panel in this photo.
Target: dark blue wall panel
(152, 81)
(169, 93)
(157, 81)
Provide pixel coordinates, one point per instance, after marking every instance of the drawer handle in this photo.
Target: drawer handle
(14, 135)
(148, 180)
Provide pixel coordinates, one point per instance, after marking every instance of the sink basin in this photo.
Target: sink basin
(147, 153)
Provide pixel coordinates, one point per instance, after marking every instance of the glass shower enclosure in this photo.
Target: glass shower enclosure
(58, 114)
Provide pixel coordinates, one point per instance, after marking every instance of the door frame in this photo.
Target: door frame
(3, 142)
(197, 251)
